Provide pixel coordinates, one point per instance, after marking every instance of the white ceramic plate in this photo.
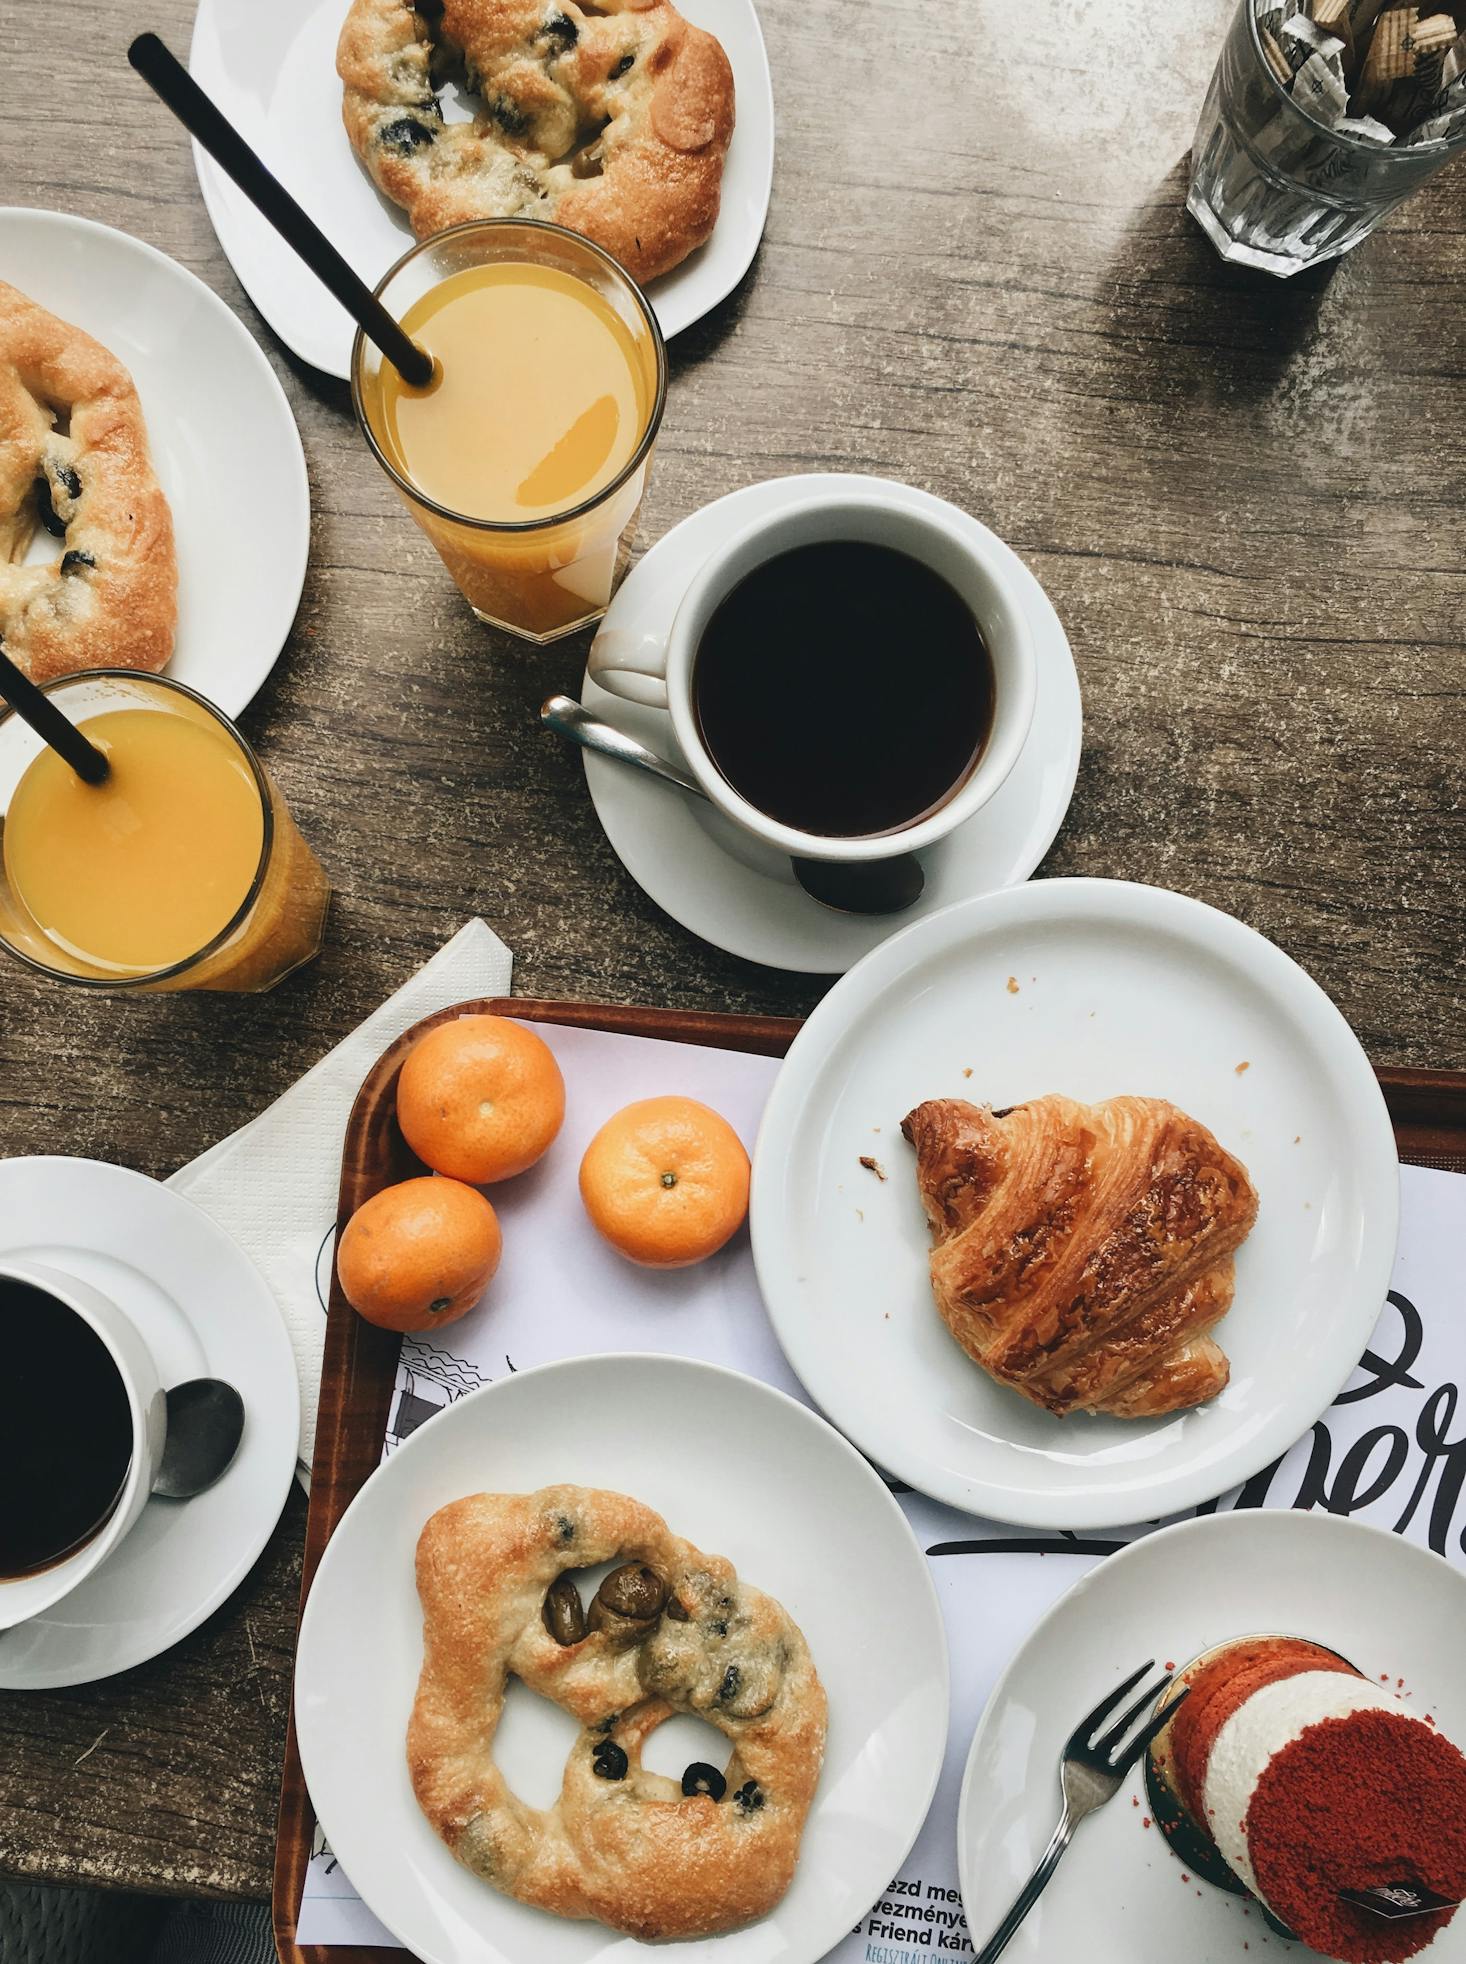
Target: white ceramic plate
(205, 1311)
(271, 68)
(1119, 1896)
(1092, 988)
(742, 1471)
(740, 894)
(223, 440)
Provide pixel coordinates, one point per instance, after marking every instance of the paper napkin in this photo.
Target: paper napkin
(272, 1184)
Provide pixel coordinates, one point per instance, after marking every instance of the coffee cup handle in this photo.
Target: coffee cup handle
(632, 666)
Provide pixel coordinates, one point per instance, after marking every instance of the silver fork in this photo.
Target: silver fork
(1090, 1771)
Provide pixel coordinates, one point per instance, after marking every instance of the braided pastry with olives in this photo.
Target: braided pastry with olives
(670, 1630)
(613, 120)
(74, 458)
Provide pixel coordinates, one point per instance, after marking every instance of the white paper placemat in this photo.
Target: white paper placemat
(1390, 1451)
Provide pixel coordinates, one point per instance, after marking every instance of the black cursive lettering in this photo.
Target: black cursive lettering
(1432, 1430)
(1344, 1495)
(1388, 1372)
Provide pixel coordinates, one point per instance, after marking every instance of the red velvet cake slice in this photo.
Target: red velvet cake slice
(1311, 1782)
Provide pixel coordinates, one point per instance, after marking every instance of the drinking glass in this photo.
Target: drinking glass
(280, 919)
(539, 578)
(1274, 187)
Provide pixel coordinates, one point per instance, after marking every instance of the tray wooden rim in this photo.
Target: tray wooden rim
(359, 1365)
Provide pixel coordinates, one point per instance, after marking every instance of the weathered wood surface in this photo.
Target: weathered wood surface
(1246, 500)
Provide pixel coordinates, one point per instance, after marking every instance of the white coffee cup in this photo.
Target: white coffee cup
(648, 669)
(24, 1596)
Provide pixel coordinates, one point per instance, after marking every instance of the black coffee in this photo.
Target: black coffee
(844, 689)
(65, 1431)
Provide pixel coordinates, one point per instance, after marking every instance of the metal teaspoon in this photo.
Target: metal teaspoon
(881, 886)
(205, 1425)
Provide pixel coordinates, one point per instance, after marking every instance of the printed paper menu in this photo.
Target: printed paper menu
(1391, 1451)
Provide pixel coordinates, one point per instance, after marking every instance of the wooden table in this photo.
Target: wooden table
(1246, 499)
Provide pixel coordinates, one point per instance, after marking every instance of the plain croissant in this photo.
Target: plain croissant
(1082, 1252)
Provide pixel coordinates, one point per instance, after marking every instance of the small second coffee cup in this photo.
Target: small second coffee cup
(124, 1447)
(883, 592)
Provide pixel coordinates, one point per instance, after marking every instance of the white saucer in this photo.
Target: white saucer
(728, 888)
(271, 68)
(741, 1470)
(205, 1311)
(223, 440)
(1092, 988)
(1120, 1896)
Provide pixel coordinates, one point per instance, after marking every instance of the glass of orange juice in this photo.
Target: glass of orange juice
(183, 870)
(525, 458)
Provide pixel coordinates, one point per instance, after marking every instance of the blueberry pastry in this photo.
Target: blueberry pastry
(74, 459)
(613, 120)
(669, 1630)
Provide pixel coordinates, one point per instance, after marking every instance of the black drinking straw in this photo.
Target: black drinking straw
(35, 707)
(202, 119)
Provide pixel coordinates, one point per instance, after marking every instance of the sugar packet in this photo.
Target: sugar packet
(1375, 70)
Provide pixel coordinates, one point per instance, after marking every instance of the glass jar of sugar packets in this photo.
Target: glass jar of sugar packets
(1321, 117)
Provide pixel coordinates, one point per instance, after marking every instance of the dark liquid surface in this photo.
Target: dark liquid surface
(65, 1431)
(844, 689)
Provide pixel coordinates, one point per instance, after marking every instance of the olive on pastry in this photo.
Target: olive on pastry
(610, 1761)
(628, 1602)
(700, 1778)
(563, 1612)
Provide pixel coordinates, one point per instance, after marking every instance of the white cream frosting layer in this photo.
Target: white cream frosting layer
(1273, 1717)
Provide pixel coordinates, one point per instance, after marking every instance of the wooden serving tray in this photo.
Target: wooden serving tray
(360, 1363)
(359, 1368)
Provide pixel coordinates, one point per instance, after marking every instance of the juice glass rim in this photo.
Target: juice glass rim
(1344, 138)
(241, 914)
(653, 422)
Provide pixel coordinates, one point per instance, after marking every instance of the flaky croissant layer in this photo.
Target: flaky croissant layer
(1081, 1253)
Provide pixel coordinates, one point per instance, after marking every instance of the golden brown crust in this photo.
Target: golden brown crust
(1083, 1252)
(631, 1850)
(112, 599)
(615, 123)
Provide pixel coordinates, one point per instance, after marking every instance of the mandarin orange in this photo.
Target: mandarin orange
(480, 1098)
(666, 1181)
(419, 1254)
